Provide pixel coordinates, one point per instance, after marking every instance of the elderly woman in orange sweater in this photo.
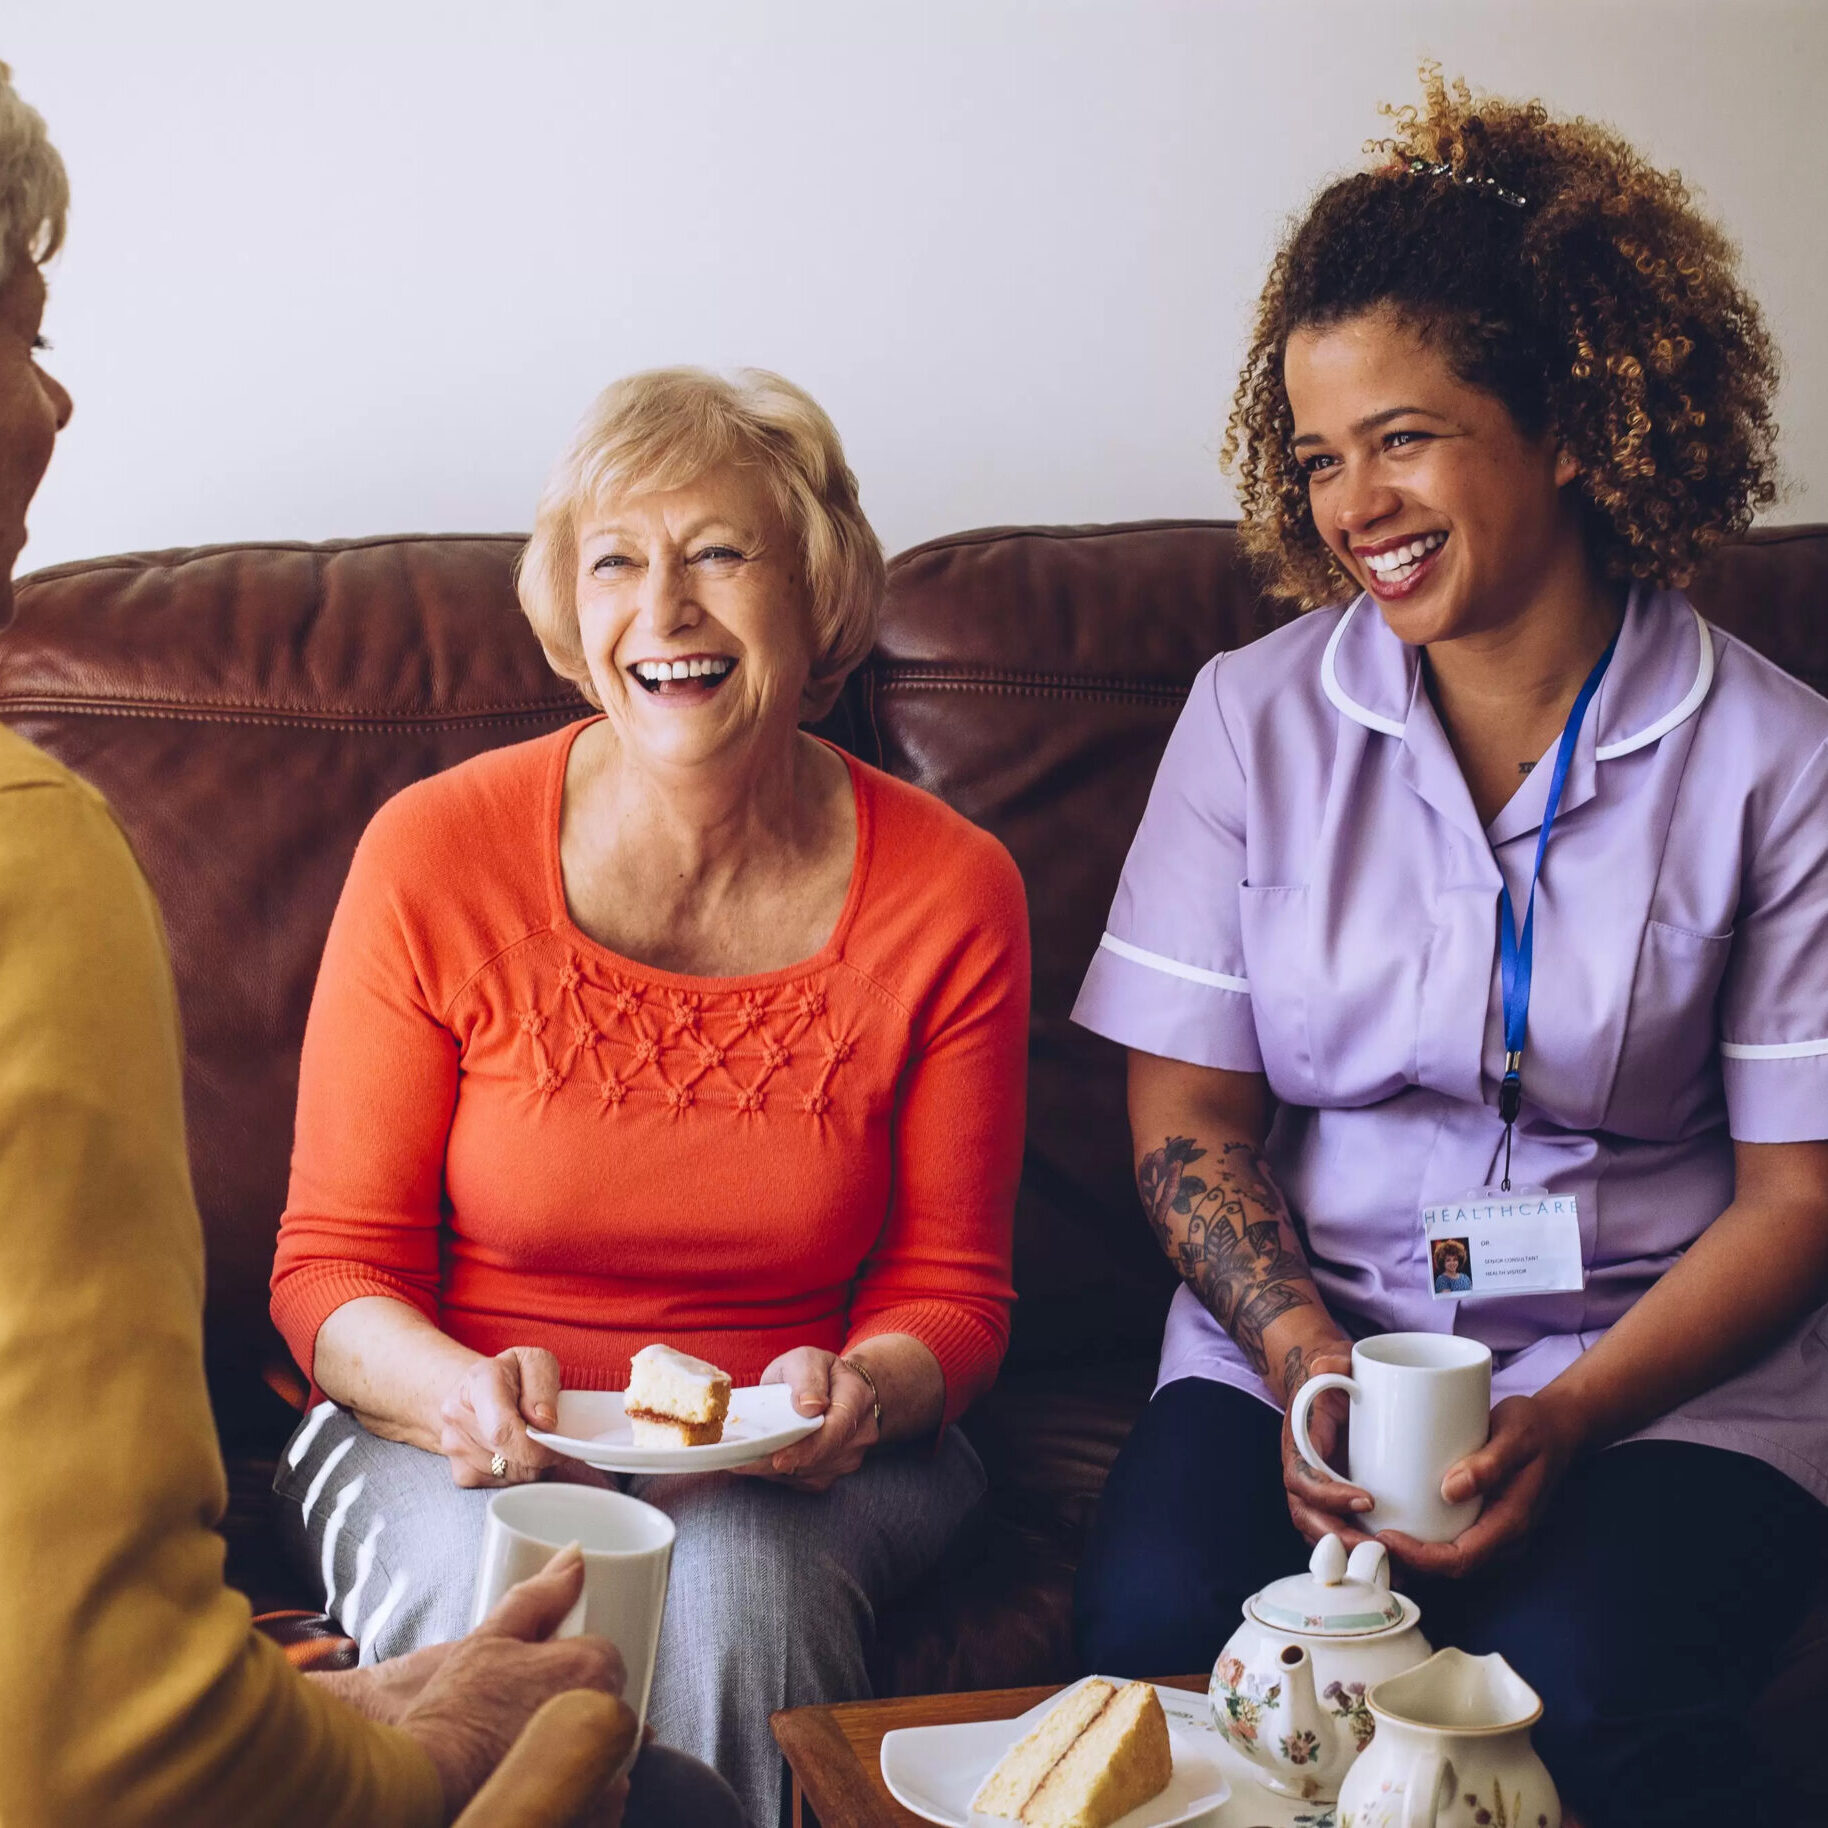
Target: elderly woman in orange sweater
(678, 1025)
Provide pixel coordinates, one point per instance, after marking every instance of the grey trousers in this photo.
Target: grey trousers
(773, 1595)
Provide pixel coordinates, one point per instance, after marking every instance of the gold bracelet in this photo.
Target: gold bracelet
(851, 1364)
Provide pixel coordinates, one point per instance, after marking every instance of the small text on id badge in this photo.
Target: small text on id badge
(1488, 1242)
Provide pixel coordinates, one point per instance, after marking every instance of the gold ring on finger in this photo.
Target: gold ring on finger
(498, 1466)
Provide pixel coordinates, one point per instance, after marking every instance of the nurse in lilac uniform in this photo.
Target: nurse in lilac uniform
(1505, 390)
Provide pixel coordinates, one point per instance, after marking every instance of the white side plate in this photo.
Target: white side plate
(936, 1770)
(592, 1428)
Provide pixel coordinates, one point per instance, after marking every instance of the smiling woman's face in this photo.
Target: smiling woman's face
(33, 409)
(693, 609)
(1429, 493)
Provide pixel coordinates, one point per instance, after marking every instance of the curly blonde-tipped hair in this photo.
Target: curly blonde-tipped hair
(1557, 270)
(34, 190)
(664, 429)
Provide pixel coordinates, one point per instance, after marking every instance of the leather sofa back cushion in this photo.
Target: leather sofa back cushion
(247, 708)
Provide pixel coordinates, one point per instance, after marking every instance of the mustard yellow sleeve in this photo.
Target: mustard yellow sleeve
(132, 1689)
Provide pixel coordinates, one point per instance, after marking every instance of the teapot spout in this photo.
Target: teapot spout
(1307, 1753)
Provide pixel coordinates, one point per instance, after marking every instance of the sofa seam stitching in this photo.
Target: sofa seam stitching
(1041, 688)
(357, 722)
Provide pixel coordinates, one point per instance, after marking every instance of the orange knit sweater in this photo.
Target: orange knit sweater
(536, 1141)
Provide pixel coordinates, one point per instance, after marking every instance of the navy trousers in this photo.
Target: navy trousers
(1646, 1609)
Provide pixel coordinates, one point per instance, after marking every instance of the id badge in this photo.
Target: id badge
(1488, 1242)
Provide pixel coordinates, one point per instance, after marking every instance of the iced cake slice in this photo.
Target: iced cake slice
(1100, 1753)
(675, 1400)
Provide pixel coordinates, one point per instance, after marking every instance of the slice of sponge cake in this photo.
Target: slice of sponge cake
(1119, 1762)
(675, 1400)
(1018, 1776)
(1100, 1753)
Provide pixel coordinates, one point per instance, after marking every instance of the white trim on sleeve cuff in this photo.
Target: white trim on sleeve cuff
(1772, 1050)
(1194, 974)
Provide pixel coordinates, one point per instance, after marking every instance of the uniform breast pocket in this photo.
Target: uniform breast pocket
(1278, 959)
(1669, 1067)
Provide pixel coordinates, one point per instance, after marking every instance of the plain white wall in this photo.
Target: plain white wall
(357, 267)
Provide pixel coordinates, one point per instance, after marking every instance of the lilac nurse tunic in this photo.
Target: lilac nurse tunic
(1312, 896)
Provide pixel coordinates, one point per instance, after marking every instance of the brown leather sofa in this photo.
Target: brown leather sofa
(246, 709)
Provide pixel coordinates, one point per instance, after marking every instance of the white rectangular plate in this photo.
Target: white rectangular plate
(936, 1770)
(592, 1428)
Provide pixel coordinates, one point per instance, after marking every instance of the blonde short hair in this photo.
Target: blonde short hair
(663, 430)
(34, 189)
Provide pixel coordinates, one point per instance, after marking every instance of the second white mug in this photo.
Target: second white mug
(628, 1553)
(1420, 1401)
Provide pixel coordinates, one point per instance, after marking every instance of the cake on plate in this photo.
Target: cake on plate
(675, 1400)
(1097, 1754)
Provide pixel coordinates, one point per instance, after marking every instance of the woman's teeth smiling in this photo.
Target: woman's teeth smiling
(1400, 563)
(711, 671)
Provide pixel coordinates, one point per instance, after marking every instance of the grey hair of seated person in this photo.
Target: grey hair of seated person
(34, 189)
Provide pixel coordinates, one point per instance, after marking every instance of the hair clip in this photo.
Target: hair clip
(1420, 168)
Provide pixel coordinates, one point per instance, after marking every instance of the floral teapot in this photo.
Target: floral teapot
(1288, 1690)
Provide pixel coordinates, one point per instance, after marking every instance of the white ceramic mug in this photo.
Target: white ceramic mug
(1420, 1401)
(628, 1552)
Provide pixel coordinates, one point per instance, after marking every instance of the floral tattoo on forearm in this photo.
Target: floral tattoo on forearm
(1232, 1240)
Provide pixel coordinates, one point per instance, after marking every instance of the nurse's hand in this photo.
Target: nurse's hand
(1319, 1506)
(1532, 1441)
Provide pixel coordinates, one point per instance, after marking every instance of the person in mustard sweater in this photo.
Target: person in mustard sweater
(677, 1025)
(134, 1692)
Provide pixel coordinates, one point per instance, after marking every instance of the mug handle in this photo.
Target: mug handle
(1429, 1775)
(1298, 1417)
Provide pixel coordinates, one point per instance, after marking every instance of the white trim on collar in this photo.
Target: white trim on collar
(1704, 679)
(1606, 752)
(1329, 682)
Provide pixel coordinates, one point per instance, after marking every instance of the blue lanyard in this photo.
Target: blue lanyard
(1517, 949)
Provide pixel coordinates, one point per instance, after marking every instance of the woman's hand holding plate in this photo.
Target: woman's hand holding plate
(485, 1417)
(822, 1384)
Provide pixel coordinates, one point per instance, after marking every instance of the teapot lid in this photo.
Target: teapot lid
(1337, 1597)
